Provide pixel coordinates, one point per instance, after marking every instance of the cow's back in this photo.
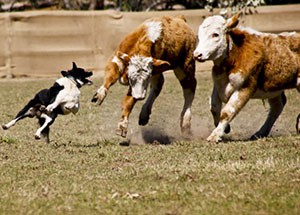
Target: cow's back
(177, 41)
(282, 65)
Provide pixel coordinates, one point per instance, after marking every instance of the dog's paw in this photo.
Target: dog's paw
(37, 137)
(4, 127)
(49, 108)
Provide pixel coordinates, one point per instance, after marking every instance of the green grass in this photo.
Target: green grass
(85, 170)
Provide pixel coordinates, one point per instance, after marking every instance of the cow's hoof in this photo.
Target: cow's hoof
(4, 127)
(96, 99)
(257, 136)
(227, 129)
(186, 133)
(121, 132)
(99, 96)
(143, 121)
(214, 138)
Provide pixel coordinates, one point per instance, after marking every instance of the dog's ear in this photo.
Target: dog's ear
(74, 66)
(64, 73)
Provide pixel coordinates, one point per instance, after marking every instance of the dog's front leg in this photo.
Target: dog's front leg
(62, 97)
(47, 122)
(52, 106)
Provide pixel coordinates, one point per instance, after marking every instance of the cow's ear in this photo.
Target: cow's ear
(160, 66)
(123, 57)
(64, 73)
(233, 21)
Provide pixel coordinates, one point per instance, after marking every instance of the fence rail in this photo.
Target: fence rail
(41, 43)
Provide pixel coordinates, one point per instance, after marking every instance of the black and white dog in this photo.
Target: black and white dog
(61, 98)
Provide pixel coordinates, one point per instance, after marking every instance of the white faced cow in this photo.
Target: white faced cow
(247, 64)
(157, 45)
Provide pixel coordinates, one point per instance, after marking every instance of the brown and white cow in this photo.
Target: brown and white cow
(157, 45)
(247, 64)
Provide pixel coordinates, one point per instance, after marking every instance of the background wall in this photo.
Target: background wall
(42, 43)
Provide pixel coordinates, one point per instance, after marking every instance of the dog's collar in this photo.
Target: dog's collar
(74, 81)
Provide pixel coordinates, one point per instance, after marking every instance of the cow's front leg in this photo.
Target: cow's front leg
(215, 108)
(127, 106)
(156, 86)
(276, 106)
(110, 78)
(235, 103)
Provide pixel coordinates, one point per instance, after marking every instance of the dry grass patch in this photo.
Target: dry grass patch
(84, 170)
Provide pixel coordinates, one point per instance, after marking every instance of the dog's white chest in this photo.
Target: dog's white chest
(69, 96)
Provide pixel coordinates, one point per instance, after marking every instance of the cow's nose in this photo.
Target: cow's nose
(197, 56)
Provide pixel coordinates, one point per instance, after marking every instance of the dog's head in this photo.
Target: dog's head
(79, 75)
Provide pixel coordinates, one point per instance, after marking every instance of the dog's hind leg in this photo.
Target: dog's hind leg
(27, 111)
(45, 132)
(45, 121)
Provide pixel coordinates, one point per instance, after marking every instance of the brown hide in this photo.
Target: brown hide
(174, 44)
(170, 47)
(272, 60)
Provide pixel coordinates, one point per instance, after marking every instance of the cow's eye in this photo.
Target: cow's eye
(214, 35)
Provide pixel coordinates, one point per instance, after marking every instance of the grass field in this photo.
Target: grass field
(85, 169)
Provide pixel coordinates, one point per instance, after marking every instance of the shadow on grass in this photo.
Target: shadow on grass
(156, 136)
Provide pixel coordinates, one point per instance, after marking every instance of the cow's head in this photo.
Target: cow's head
(139, 71)
(212, 33)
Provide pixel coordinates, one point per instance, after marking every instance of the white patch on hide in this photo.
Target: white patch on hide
(187, 118)
(119, 63)
(288, 34)
(102, 91)
(235, 97)
(252, 31)
(154, 29)
(236, 79)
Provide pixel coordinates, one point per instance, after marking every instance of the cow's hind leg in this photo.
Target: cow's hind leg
(276, 106)
(156, 86)
(298, 118)
(188, 83)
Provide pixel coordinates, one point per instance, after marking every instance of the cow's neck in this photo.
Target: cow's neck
(228, 59)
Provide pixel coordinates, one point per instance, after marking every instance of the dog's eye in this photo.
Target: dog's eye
(215, 35)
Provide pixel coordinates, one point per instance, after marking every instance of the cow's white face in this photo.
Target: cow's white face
(139, 73)
(212, 39)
